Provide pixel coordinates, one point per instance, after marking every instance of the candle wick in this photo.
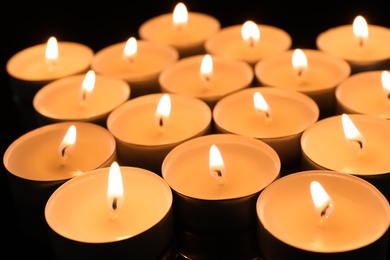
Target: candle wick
(361, 42)
(251, 42)
(161, 122)
(218, 172)
(114, 206)
(114, 203)
(300, 72)
(359, 142)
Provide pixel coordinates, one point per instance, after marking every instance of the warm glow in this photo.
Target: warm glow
(87, 86)
(130, 50)
(360, 29)
(261, 105)
(51, 52)
(216, 165)
(386, 83)
(322, 202)
(299, 61)
(352, 134)
(206, 68)
(163, 111)
(67, 143)
(115, 189)
(180, 16)
(250, 32)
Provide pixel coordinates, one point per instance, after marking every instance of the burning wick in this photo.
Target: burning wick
(51, 53)
(130, 50)
(206, 68)
(299, 62)
(352, 134)
(360, 30)
(115, 190)
(87, 86)
(385, 78)
(250, 33)
(163, 111)
(180, 16)
(67, 143)
(322, 202)
(261, 106)
(217, 166)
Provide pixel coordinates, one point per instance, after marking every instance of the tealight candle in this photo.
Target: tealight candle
(87, 98)
(42, 159)
(365, 93)
(249, 42)
(36, 66)
(217, 178)
(206, 77)
(352, 144)
(183, 30)
(146, 128)
(139, 62)
(287, 114)
(312, 72)
(322, 214)
(104, 216)
(364, 46)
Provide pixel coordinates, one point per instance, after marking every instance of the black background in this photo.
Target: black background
(98, 24)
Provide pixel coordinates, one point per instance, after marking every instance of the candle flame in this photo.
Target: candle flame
(299, 62)
(360, 30)
(322, 202)
(216, 165)
(206, 68)
(261, 106)
(352, 134)
(115, 190)
(87, 86)
(180, 16)
(130, 50)
(250, 32)
(163, 111)
(67, 143)
(386, 84)
(51, 54)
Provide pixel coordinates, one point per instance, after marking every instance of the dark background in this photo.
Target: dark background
(98, 24)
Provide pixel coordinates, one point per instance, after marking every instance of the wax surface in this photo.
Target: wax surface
(30, 64)
(228, 42)
(324, 71)
(79, 211)
(150, 60)
(361, 213)
(363, 93)
(341, 41)
(292, 112)
(228, 75)
(35, 156)
(161, 29)
(325, 144)
(61, 99)
(250, 165)
(134, 122)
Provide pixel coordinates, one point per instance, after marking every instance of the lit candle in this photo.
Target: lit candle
(217, 178)
(275, 116)
(84, 97)
(138, 62)
(249, 42)
(365, 93)
(32, 68)
(322, 214)
(183, 30)
(364, 46)
(311, 72)
(352, 144)
(148, 127)
(113, 212)
(206, 77)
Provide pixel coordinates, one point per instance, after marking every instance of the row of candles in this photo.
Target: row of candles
(201, 124)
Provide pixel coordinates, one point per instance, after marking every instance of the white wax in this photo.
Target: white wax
(78, 210)
(250, 165)
(341, 42)
(228, 42)
(198, 29)
(151, 58)
(134, 121)
(228, 76)
(363, 93)
(292, 112)
(361, 213)
(324, 71)
(61, 100)
(325, 144)
(34, 155)
(30, 64)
